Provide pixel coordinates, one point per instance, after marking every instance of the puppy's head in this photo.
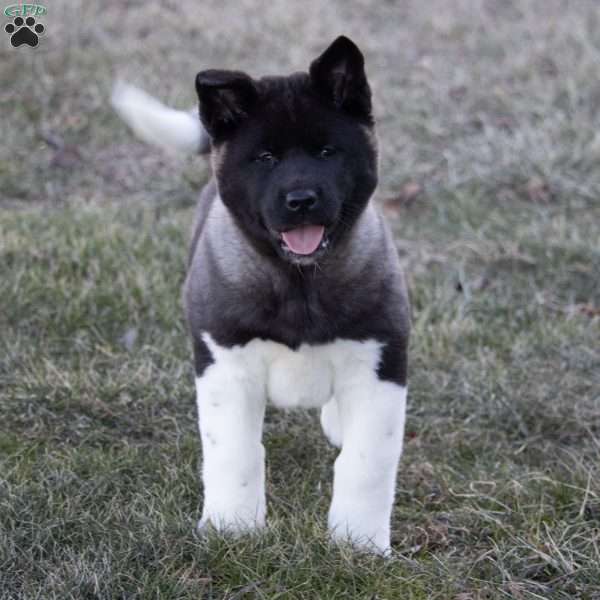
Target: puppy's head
(294, 157)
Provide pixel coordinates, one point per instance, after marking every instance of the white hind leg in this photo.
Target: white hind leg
(330, 422)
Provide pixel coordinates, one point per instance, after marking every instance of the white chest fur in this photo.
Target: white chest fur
(303, 378)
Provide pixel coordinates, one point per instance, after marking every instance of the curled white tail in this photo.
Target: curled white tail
(157, 124)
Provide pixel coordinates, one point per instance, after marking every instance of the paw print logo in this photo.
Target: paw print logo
(24, 31)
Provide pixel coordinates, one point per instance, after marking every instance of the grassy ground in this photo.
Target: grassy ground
(489, 120)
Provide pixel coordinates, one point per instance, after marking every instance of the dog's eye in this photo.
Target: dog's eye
(326, 151)
(267, 158)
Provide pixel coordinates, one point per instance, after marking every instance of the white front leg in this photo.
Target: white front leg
(231, 405)
(371, 415)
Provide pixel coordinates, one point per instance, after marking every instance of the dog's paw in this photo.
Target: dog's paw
(24, 31)
(205, 526)
(364, 530)
(229, 525)
(330, 423)
(377, 543)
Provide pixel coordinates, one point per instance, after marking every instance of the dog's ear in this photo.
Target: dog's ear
(339, 76)
(225, 97)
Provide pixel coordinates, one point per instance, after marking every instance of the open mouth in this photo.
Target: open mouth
(305, 240)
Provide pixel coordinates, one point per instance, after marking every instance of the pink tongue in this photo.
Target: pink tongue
(305, 239)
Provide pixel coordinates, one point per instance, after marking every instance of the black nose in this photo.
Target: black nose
(301, 200)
